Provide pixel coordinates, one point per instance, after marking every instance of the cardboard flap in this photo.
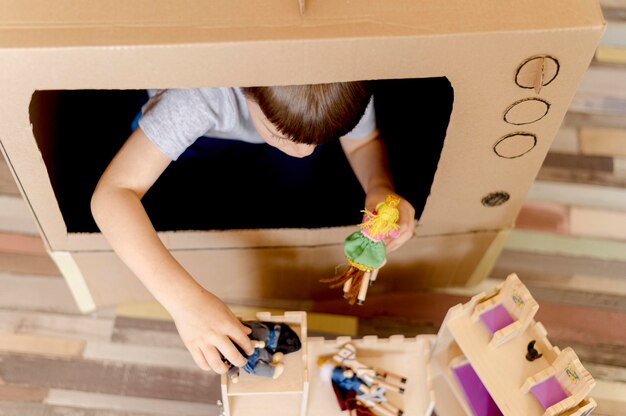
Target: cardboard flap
(199, 21)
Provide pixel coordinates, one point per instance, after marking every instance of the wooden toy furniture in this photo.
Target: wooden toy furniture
(478, 398)
(402, 356)
(300, 390)
(472, 376)
(507, 311)
(458, 372)
(284, 396)
(584, 408)
(562, 385)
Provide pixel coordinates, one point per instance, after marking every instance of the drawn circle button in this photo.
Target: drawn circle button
(533, 67)
(526, 111)
(495, 199)
(515, 145)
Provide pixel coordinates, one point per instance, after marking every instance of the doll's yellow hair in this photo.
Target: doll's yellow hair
(385, 219)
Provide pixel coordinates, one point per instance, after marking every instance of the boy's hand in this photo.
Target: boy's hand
(208, 328)
(406, 221)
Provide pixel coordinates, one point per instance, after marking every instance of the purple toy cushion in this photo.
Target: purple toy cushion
(496, 318)
(479, 399)
(548, 392)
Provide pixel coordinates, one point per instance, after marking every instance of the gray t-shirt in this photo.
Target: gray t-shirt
(173, 119)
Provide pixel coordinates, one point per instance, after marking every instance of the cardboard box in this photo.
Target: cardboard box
(513, 68)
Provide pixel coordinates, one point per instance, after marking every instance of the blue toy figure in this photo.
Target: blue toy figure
(271, 341)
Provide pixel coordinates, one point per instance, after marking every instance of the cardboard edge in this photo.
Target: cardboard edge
(489, 259)
(74, 279)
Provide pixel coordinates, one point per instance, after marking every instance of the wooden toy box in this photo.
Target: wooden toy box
(300, 391)
(285, 396)
(502, 380)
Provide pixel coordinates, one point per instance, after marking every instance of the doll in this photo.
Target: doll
(365, 250)
(271, 342)
(372, 398)
(346, 357)
(361, 388)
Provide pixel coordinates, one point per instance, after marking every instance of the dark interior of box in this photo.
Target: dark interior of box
(233, 185)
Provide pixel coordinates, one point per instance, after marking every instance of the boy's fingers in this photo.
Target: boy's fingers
(243, 341)
(199, 359)
(212, 357)
(230, 352)
(399, 240)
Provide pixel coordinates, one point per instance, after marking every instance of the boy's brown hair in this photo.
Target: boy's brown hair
(313, 114)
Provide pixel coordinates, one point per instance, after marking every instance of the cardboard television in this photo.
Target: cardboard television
(496, 77)
(489, 358)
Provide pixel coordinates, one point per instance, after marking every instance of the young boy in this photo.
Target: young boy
(293, 119)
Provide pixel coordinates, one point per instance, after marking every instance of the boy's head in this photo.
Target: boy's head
(306, 115)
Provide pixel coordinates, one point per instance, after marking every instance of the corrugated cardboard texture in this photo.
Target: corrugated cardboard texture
(488, 50)
(239, 275)
(119, 22)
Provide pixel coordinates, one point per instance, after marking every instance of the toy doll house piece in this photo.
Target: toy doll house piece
(584, 408)
(562, 385)
(473, 375)
(262, 396)
(478, 398)
(507, 311)
(459, 372)
(407, 357)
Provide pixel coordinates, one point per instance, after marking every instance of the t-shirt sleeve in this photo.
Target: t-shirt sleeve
(366, 125)
(173, 119)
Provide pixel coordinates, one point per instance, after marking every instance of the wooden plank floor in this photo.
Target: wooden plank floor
(569, 247)
(130, 361)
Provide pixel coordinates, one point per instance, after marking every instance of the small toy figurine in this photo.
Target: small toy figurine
(532, 353)
(365, 250)
(359, 387)
(271, 342)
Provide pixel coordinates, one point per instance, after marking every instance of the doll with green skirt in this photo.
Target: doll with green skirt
(365, 250)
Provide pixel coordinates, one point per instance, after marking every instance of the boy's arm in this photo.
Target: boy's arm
(204, 322)
(368, 159)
